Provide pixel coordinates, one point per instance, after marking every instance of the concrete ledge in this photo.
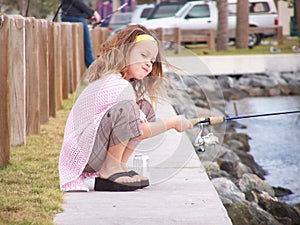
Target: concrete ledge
(239, 64)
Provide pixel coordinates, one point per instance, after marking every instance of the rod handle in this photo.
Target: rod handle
(216, 120)
(198, 120)
(211, 120)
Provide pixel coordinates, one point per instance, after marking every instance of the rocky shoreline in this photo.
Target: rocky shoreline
(238, 179)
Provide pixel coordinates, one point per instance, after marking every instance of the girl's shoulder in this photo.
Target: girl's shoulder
(110, 81)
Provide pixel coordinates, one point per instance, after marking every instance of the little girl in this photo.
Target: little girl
(111, 116)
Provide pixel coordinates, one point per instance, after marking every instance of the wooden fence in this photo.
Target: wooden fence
(208, 36)
(41, 62)
(178, 36)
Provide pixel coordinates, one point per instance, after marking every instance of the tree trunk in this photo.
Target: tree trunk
(242, 24)
(297, 10)
(222, 31)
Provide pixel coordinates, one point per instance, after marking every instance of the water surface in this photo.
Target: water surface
(275, 140)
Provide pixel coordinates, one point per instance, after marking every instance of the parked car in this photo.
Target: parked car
(141, 12)
(165, 9)
(204, 15)
(145, 12)
(139, 15)
(119, 19)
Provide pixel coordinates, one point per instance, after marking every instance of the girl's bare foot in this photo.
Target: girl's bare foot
(107, 172)
(137, 177)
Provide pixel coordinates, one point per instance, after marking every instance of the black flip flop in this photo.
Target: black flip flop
(109, 184)
(144, 183)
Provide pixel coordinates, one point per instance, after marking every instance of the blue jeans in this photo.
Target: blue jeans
(88, 50)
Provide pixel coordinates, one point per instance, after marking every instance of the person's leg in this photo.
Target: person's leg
(119, 126)
(113, 163)
(147, 109)
(88, 49)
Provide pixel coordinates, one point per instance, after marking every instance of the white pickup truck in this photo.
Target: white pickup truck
(204, 15)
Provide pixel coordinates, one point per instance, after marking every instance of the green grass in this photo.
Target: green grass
(29, 185)
(202, 50)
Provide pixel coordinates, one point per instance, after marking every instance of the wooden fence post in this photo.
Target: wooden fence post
(280, 35)
(43, 72)
(69, 60)
(81, 49)
(51, 71)
(80, 66)
(160, 33)
(58, 64)
(96, 40)
(177, 39)
(17, 80)
(32, 77)
(75, 71)
(104, 34)
(211, 39)
(4, 91)
(65, 59)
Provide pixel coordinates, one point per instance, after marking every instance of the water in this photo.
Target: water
(275, 140)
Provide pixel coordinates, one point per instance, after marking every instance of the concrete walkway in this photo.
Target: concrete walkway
(237, 64)
(180, 191)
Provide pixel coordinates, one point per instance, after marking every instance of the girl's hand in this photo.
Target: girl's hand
(181, 123)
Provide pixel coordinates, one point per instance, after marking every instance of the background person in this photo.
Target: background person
(79, 11)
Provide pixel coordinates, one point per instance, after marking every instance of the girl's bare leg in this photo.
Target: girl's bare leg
(113, 163)
(127, 153)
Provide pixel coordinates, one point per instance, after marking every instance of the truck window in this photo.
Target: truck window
(259, 7)
(165, 10)
(199, 11)
(146, 12)
(254, 7)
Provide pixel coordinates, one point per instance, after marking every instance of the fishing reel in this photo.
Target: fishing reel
(201, 142)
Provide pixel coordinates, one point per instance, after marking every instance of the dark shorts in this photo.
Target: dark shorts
(120, 123)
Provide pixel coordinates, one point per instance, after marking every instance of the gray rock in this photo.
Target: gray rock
(249, 161)
(281, 211)
(235, 145)
(211, 167)
(249, 213)
(241, 137)
(228, 190)
(253, 182)
(242, 169)
(212, 153)
(229, 166)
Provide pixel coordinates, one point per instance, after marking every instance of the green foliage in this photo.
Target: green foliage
(38, 9)
(29, 185)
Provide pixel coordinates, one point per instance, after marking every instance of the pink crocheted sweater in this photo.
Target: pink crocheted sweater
(83, 122)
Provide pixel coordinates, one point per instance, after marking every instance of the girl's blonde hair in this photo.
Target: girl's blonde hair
(113, 58)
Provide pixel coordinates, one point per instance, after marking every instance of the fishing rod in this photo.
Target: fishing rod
(201, 142)
(109, 15)
(217, 120)
(57, 11)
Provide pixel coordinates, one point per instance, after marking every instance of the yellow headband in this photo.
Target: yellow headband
(144, 37)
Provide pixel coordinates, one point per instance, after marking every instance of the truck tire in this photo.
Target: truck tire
(254, 39)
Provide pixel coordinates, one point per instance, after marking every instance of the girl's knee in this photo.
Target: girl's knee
(147, 109)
